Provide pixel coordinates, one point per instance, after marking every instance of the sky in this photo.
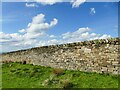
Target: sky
(33, 24)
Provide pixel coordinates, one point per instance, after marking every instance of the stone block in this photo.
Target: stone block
(104, 69)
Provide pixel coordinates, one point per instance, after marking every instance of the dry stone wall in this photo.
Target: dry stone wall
(101, 56)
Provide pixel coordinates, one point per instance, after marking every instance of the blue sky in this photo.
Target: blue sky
(65, 24)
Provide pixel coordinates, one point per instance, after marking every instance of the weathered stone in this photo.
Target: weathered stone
(86, 50)
(104, 69)
(115, 63)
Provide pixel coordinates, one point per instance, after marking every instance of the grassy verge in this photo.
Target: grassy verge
(16, 75)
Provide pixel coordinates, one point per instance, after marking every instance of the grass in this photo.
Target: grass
(16, 75)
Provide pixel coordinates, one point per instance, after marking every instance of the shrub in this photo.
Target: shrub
(67, 84)
(58, 71)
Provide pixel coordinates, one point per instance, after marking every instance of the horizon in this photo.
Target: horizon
(57, 45)
(32, 24)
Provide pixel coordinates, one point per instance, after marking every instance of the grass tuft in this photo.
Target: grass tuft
(16, 75)
(58, 72)
(67, 84)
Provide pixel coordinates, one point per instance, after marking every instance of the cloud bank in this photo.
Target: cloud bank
(48, 2)
(75, 3)
(35, 34)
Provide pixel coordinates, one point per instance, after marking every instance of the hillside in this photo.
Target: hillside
(99, 56)
(17, 75)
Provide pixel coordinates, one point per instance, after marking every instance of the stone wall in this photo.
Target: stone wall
(99, 56)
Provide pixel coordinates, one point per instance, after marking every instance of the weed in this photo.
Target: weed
(67, 84)
(58, 72)
(75, 74)
(25, 69)
(55, 81)
(17, 73)
(52, 77)
(13, 70)
(18, 68)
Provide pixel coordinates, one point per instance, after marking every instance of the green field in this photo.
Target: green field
(16, 75)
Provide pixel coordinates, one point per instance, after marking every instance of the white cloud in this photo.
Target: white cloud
(4, 36)
(92, 11)
(17, 41)
(77, 3)
(40, 18)
(48, 2)
(14, 37)
(31, 5)
(52, 36)
(105, 36)
(49, 42)
(38, 26)
(52, 42)
(22, 31)
(82, 34)
(35, 34)
(29, 36)
(75, 34)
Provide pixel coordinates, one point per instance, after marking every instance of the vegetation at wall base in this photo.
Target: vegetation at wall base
(16, 75)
